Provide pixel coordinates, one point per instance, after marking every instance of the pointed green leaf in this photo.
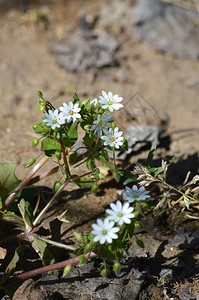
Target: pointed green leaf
(27, 214)
(150, 156)
(41, 248)
(12, 265)
(8, 180)
(186, 201)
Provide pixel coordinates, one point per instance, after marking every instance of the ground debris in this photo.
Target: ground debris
(86, 49)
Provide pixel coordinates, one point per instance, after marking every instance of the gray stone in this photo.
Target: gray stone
(167, 28)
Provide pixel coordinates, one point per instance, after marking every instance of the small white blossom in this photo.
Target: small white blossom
(104, 231)
(113, 138)
(164, 166)
(135, 193)
(101, 124)
(94, 102)
(110, 101)
(54, 119)
(120, 213)
(195, 179)
(71, 111)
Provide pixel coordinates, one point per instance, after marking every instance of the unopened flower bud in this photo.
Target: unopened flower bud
(57, 186)
(90, 163)
(77, 235)
(88, 248)
(41, 107)
(101, 176)
(67, 269)
(116, 267)
(105, 272)
(58, 154)
(35, 142)
(29, 162)
(81, 260)
(94, 188)
(39, 93)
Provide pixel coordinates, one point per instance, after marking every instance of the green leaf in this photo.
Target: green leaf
(84, 182)
(186, 201)
(67, 269)
(8, 180)
(117, 175)
(72, 136)
(41, 248)
(150, 156)
(125, 144)
(75, 98)
(12, 265)
(27, 214)
(140, 243)
(130, 176)
(101, 158)
(130, 228)
(50, 146)
(106, 253)
(156, 171)
(88, 140)
(11, 217)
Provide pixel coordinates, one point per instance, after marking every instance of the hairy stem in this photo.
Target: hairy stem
(48, 268)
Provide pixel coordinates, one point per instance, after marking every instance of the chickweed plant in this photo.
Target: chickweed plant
(57, 137)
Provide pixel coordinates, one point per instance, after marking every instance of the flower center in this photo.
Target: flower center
(54, 121)
(100, 123)
(104, 232)
(120, 215)
(71, 112)
(135, 196)
(112, 139)
(109, 102)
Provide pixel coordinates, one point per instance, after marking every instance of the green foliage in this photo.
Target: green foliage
(13, 263)
(8, 180)
(50, 146)
(27, 214)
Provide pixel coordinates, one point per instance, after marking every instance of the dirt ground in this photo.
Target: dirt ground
(162, 82)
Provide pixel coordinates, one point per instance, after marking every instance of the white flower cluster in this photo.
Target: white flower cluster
(106, 230)
(111, 137)
(101, 126)
(68, 113)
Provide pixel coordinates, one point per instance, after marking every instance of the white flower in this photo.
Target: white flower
(94, 102)
(101, 124)
(54, 119)
(71, 111)
(110, 101)
(195, 179)
(104, 231)
(135, 193)
(113, 138)
(120, 214)
(164, 166)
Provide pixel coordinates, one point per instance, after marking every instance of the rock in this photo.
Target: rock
(167, 28)
(86, 283)
(86, 49)
(31, 290)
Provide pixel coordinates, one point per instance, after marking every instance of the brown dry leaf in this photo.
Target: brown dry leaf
(3, 253)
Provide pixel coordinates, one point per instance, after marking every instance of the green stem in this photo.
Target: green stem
(65, 158)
